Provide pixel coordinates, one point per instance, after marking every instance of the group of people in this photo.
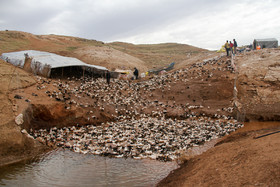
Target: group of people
(135, 73)
(231, 47)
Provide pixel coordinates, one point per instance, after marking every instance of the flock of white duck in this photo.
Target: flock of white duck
(134, 132)
(162, 139)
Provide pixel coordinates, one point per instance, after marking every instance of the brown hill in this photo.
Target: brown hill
(112, 55)
(156, 55)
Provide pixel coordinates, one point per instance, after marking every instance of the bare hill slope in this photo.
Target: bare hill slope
(156, 55)
(112, 55)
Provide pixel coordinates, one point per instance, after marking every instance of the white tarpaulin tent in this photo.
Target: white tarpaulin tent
(50, 64)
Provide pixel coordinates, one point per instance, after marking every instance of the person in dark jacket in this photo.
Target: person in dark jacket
(234, 46)
(136, 73)
(108, 77)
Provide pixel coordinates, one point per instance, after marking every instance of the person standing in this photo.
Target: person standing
(227, 47)
(108, 77)
(231, 47)
(234, 45)
(136, 73)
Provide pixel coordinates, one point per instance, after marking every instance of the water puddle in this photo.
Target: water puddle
(66, 168)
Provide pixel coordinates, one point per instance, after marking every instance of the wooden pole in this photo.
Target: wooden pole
(266, 134)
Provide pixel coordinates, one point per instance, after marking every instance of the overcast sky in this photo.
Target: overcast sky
(202, 23)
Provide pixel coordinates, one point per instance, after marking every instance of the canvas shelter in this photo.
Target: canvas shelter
(52, 65)
(265, 43)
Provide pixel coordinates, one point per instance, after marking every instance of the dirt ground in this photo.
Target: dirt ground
(196, 86)
(236, 160)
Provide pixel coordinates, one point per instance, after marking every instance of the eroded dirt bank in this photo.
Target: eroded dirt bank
(14, 145)
(258, 84)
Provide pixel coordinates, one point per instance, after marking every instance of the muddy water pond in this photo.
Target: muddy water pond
(66, 168)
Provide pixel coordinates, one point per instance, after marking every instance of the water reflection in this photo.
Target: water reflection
(66, 168)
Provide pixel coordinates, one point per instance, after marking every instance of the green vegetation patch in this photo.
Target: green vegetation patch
(72, 48)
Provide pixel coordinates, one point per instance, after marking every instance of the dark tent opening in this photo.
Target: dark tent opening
(52, 65)
(75, 71)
